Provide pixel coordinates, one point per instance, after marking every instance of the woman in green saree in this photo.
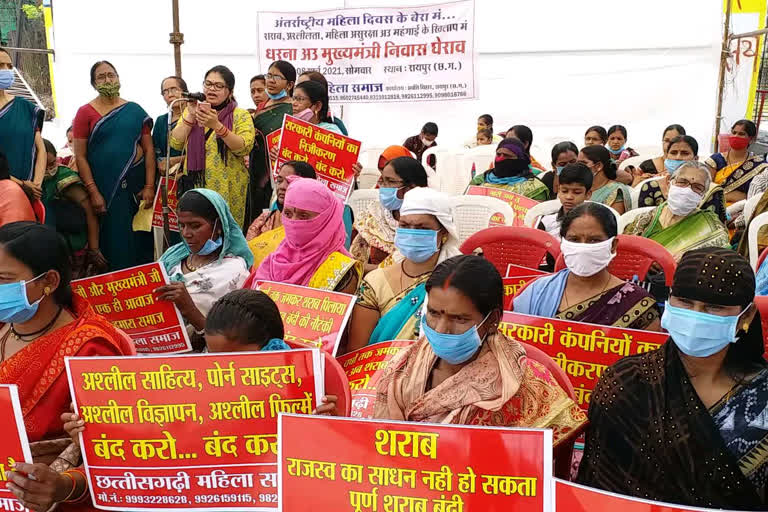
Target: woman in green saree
(678, 224)
(116, 160)
(20, 125)
(512, 171)
(605, 189)
(268, 117)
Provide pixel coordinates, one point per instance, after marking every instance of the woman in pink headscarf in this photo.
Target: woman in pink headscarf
(312, 253)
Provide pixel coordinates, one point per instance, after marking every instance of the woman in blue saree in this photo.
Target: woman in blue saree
(21, 123)
(116, 160)
(391, 298)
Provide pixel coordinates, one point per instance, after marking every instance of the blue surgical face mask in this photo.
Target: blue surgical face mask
(389, 200)
(616, 151)
(672, 165)
(14, 305)
(418, 245)
(282, 94)
(210, 246)
(453, 348)
(699, 334)
(559, 169)
(6, 79)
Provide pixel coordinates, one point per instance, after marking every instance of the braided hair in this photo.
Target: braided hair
(248, 317)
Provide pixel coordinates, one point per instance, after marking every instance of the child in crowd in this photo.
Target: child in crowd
(575, 188)
(418, 144)
(68, 210)
(484, 137)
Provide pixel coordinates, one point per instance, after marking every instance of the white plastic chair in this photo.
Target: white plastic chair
(369, 157)
(749, 206)
(754, 229)
(359, 200)
(634, 161)
(635, 192)
(541, 209)
(438, 151)
(368, 178)
(473, 213)
(629, 217)
(481, 157)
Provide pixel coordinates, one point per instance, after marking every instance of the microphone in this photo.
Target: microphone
(197, 96)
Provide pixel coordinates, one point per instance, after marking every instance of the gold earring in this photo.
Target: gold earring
(745, 327)
(47, 290)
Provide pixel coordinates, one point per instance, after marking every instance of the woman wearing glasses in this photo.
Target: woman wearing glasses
(171, 89)
(280, 79)
(678, 224)
(218, 135)
(116, 161)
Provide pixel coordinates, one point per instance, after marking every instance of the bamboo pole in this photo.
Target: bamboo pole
(721, 77)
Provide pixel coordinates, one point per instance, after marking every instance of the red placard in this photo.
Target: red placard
(578, 498)
(331, 154)
(273, 139)
(13, 443)
(127, 299)
(582, 350)
(192, 432)
(311, 316)
(350, 465)
(364, 368)
(520, 204)
(173, 202)
(517, 278)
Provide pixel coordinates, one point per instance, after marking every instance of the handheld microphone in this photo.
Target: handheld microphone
(197, 96)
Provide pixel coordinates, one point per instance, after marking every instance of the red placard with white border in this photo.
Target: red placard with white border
(316, 318)
(331, 154)
(191, 432)
(582, 350)
(14, 446)
(364, 368)
(173, 203)
(127, 299)
(351, 465)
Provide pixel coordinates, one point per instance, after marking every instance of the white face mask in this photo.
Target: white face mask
(586, 260)
(682, 200)
(426, 142)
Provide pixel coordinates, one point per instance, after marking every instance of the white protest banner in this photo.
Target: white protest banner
(379, 54)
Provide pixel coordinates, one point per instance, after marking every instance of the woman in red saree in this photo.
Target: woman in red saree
(41, 325)
(466, 372)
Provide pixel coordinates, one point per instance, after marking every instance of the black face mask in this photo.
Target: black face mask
(508, 168)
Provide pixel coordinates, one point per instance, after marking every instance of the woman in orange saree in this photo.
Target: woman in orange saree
(466, 372)
(41, 325)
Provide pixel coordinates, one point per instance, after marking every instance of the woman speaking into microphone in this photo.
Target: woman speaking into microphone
(218, 135)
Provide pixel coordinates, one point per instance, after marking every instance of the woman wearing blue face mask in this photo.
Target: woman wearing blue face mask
(41, 322)
(391, 298)
(688, 423)
(212, 260)
(21, 123)
(617, 144)
(375, 240)
(466, 372)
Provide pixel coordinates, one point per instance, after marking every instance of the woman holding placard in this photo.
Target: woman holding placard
(212, 260)
(392, 297)
(688, 423)
(467, 372)
(312, 253)
(586, 291)
(218, 135)
(42, 322)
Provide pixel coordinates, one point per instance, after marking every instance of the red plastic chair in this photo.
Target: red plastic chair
(336, 382)
(761, 303)
(563, 452)
(634, 256)
(39, 209)
(761, 258)
(503, 245)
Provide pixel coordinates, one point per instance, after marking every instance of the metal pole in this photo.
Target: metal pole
(750, 34)
(164, 183)
(177, 38)
(721, 77)
(27, 50)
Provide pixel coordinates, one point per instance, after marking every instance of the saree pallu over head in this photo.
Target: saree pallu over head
(739, 175)
(376, 226)
(610, 192)
(651, 437)
(500, 387)
(112, 147)
(19, 120)
(234, 241)
(699, 229)
(39, 366)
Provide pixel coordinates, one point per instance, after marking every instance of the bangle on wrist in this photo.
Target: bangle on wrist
(221, 132)
(74, 485)
(188, 123)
